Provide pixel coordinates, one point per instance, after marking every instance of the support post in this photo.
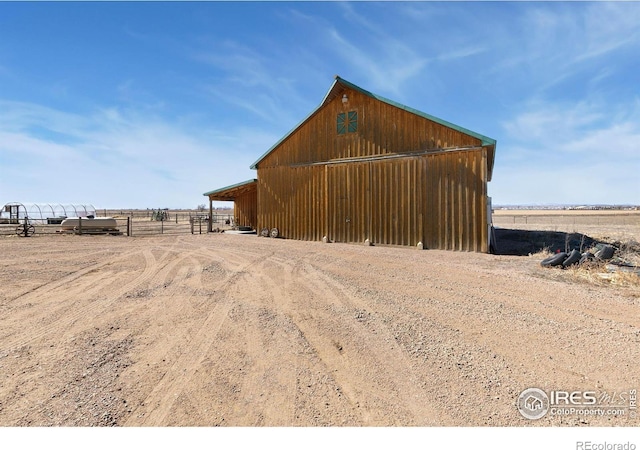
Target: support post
(210, 225)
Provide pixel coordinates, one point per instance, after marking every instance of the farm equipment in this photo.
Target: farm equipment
(25, 229)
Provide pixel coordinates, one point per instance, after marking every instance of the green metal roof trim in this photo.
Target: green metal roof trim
(228, 188)
(254, 166)
(342, 82)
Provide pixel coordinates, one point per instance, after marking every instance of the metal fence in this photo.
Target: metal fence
(135, 225)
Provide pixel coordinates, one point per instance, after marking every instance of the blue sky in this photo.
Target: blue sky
(146, 104)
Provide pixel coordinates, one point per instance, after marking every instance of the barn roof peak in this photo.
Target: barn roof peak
(340, 84)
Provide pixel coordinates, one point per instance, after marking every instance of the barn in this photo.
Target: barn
(362, 167)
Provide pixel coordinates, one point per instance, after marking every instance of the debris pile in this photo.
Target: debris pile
(601, 255)
(603, 252)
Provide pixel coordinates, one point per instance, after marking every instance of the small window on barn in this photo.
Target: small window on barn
(342, 123)
(347, 123)
(352, 126)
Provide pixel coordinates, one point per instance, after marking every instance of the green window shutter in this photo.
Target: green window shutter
(353, 122)
(341, 123)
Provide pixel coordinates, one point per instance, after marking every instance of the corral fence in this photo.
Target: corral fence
(136, 223)
(175, 224)
(166, 215)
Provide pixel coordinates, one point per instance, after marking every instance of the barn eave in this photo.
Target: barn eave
(230, 193)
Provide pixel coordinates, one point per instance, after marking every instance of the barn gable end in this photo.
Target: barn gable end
(363, 167)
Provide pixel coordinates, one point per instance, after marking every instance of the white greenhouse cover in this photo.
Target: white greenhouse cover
(41, 212)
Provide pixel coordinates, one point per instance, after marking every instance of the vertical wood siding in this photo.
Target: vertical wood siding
(438, 198)
(382, 129)
(246, 210)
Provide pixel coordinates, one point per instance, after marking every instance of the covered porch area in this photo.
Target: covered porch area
(244, 196)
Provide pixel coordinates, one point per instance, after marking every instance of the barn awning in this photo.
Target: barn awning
(229, 193)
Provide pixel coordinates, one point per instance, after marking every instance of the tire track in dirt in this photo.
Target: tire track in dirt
(392, 360)
(154, 272)
(431, 345)
(536, 328)
(155, 408)
(34, 331)
(45, 289)
(285, 280)
(369, 366)
(310, 324)
(479, 312)
(157, 281)
(45, 313)
(268, 386)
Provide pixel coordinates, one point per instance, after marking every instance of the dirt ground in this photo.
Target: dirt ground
(237, 330)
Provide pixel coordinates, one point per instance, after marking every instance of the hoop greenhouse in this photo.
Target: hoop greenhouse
(43, 213)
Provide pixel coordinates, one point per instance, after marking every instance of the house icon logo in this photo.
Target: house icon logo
(533, 403)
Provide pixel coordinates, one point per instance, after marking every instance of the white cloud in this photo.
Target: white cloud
(383, 71)
(554, 42)
(583, 153)
(249, 81)
(120, 158)
(609, 26)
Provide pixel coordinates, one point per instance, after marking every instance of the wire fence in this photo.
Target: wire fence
(622, 226)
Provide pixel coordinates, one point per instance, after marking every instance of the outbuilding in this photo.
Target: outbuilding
(362, 167)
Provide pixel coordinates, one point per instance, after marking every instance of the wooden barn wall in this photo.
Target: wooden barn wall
(246, 209)
(382, 129)
(438, 199)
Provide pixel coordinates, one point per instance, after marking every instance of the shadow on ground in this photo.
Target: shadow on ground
(524, 242)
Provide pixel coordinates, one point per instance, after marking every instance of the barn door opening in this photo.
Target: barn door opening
(339, 204)
(349, 205)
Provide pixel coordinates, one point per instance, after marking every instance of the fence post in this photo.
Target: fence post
(128, 226)
(80, 225)
(191, 222)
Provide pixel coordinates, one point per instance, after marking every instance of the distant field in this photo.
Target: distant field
(565, 212)
(611, 224)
